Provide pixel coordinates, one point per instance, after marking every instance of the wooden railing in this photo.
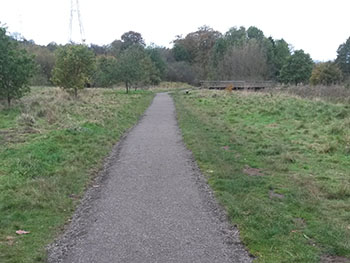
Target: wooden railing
(237, 85)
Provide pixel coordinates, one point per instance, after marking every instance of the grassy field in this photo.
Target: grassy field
(51, 146)
(279, 164)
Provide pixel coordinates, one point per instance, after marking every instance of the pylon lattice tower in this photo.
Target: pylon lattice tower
(75, 9)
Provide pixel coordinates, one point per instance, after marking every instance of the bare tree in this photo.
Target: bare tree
(248, 62)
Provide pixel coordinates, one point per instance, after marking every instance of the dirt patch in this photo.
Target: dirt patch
(252, 171)
(7, 135)
(299, 222)
(272, 125)
(334, 259)
(16, 135)
(274, 195)
(9, 240)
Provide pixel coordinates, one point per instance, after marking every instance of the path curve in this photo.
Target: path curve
(151, 204)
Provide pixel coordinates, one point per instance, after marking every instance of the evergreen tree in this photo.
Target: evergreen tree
(343, 58)
(297, 69)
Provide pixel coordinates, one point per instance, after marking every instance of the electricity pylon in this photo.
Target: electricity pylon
(75, 9)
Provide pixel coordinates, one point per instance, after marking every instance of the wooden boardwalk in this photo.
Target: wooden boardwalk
(237, 85)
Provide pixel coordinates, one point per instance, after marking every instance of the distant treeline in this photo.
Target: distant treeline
(238, 54)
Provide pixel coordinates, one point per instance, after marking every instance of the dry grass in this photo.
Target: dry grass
(336, 93)
(51, 108)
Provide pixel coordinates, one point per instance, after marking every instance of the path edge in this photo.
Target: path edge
(76, 224)
(230, 231)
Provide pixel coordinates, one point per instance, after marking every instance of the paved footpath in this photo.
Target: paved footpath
(153, 205)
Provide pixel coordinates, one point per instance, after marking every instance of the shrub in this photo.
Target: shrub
(326, 73)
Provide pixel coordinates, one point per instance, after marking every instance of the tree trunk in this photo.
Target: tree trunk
(75, 92)
(127, 87)
(9, 101)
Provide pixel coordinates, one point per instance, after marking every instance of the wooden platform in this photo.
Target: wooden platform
(237, 85)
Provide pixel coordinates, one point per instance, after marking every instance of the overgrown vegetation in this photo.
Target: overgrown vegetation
(51, 147)
(279, 164)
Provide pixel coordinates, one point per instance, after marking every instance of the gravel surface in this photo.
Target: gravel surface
(150, 204)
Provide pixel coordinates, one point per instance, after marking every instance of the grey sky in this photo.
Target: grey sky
(318, 27)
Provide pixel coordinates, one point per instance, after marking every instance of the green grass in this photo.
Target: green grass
(279, 164)
(51, 146)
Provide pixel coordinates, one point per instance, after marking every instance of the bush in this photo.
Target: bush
(326, 73)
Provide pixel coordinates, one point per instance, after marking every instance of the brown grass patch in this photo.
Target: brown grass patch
(252, 171)
(334, 259)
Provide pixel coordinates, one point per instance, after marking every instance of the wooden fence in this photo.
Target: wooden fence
(237, 85)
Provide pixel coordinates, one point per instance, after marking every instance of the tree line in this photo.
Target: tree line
(206, 54)
(247, 54)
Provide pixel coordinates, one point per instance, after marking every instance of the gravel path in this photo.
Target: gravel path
(150, 204)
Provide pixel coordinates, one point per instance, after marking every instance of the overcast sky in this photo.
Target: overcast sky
(317, 26)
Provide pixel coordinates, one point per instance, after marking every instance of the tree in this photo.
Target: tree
(155, 54)
(98, 50)
(255, 33)
(45, 61)
(135, 67)
(196, 48)
(227, 59)
(132, 38)
(105, 74)
(181, 71)
(217, 55)
(297, 69)
(180, 53)
(281, 54)
(246, 62)
(52, 46)
(115, 48)
(236, 37)
(16, 69)
(150, 73)
(74, 67)
(326, 73)
(343, 58)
